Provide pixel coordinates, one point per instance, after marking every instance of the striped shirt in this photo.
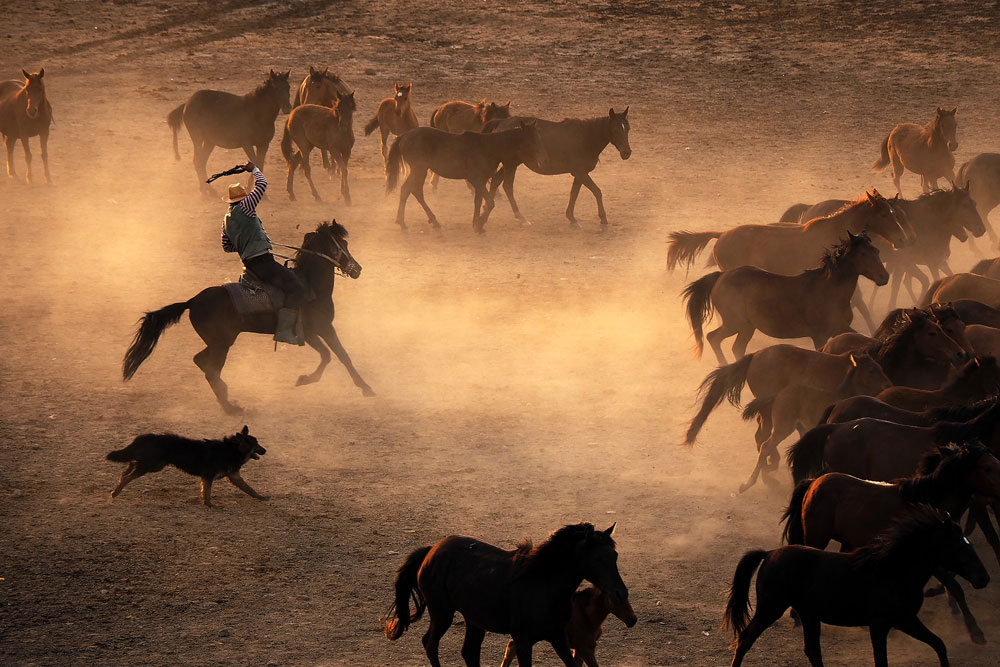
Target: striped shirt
(248, 204)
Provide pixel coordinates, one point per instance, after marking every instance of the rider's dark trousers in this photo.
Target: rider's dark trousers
(270, 271)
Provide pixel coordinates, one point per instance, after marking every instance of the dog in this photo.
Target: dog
(208, 459)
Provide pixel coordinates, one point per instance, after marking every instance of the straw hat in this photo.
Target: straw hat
(236, 193)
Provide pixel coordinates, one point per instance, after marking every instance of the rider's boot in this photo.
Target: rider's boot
(287, 329)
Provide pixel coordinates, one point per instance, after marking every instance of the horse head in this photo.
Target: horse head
(531, 145)
(865, 377)
(496, 111)
(948, 126)
(277, 83)
(401, 94)
(619, 128)
(345, 103)
(964, 211)
(35, 89)
(886, 220)
(598, 562)
(332, 241)
(947, 318)
(862, 256)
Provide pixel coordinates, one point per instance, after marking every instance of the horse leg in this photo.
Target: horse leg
(768, 448)
(523, 650)
(307, 170)
(293, 162)
(43, 139)
(742, 340)
(261, 157)
(383, 137)
(27, 156)
(946, 268)
(434, 186)
(562, 649)
(128, 474)
(508, 188)
(859, 303)
(715, 339)
(404, 194)
(574, 192)
(985, 523)
(201, 165)
(897, 170)
(916, 629)
(440, 622)
(210, 361)
(897, 281)
(957, 595)
(810, 633)
(473, 644)
(764, 617)
(477, 202)
(329, 334)
(8, 141)
(879, 634)
(418, 192)
(599, 196)
(315, 342)
(345, 190)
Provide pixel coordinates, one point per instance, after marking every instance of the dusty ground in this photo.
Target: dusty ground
(528, 379)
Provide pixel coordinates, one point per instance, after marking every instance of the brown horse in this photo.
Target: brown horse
(525, 593)
(25, 112)
(981, 175)
(926, 150)
(315, 126)
(989, 267)
(855, 512)
(857, 407)
(468, 156)
(962, 286)
(976, 380)
(815, 304)
(394, 115)
(214, 118)
(458, 116)
(791, 249)
(321, 88)
(984, 340)
(572, 146)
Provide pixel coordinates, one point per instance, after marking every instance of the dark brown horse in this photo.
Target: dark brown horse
(322, 88)
(458, 116)
(526, 593)
(981, 175)
(815, 304)
(215, 319)
(394, 116)
(924, 150)
(855, 512)
(314, 126)
(572, 146)
(975, 312)
(25, 112)
(977, 379)
(880, 585)
(214, 118)
(856, 407)
(468, 156)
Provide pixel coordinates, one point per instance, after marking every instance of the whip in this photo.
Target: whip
(238, 169)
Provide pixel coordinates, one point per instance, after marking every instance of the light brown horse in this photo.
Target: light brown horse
(468, 156)
(322, 87)
(25, 112)
(394, 115)
(962, 286)
(315, 126)
(815, 304)
(215, 118)
(458, 116)
(981, 175)
(925, 150)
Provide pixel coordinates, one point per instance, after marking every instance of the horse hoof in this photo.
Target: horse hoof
(744, 487)
(233, 409)
(573, 224)
(303, 380)
(367, 391)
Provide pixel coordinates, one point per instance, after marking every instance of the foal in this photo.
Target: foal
(394, 115)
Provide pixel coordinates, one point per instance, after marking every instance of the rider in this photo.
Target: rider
(243, 232)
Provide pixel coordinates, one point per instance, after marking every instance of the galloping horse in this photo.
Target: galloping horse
(926, 150)
(317, 126)
(25, 112)
(215, 319)
(394, 115)
(572, 146)
(321, 88)
(458, 116)
(215, 118)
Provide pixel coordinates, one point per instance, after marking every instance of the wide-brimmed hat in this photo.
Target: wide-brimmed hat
(236, 193)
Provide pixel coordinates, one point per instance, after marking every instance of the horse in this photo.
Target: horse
(321, 88)
(25, 112)
(962, 286)
(769, 371)
(458, 116)
(977, 379)
(526, 593)
(879, 585)
(981, 175)
(215, 118)
(975, 312)
(989, 267)
(591, 606)
(394, 115)
(800, 408)
(985, 340)
(468, 156)
(215, 319)
(815, 304)
(854, 511)
(315, 126)
(572, 146)
(856, 407)
(791, 249)
(926, 150)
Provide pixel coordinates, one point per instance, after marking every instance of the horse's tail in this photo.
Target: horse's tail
(962, 179)
(286, 147)
(794, 533)
(684, 246)
(928, 296)
(883, 161)
(393, 165)
(371, 125)
(827, 411)
(430, 122)
(805, 457)
(174, 119)
(151, 325)
(723, 382)
(491, 125)
(982, 266)
(698, 296)
(794, 213)
(398, 618)
(737, 613)
(757, 406)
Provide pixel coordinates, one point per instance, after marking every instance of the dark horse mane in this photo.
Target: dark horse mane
(906, 536)
(897, 337)
(528, 556)
(941, 472)
(961, 412)
(836, 255)
(262, 89)
(970, 430)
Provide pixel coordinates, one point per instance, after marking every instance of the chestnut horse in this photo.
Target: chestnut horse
(394, 115)
(321, 88)
(815, 304)
(215, 118)
(924, 150)
(315, 126)
(25, 112)
(458, 116)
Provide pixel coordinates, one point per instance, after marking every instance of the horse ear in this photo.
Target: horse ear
(246, 430)
(625, 113)
(854, 362)
(312, 70)
(611, 529)
(872, 198)
(611, 112)
(25, 73)
(272, 74)
(968, 185)
(940, 111)
(287, 74)
(41, 73)
(976, 360)
(508, 104)
(326, 70)
(953, 110)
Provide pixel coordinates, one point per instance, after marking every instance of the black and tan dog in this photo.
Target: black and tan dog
(208, 459)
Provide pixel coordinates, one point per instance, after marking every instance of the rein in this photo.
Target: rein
(332, 261)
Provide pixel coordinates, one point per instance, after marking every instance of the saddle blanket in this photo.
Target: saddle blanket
(254, 298)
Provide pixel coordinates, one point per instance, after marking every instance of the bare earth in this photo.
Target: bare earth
(527, 379)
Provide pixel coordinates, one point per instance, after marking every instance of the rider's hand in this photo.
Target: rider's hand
(249, 166)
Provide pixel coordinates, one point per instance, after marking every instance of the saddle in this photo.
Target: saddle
(252, 296)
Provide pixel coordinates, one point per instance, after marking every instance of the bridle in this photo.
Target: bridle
(336, 266)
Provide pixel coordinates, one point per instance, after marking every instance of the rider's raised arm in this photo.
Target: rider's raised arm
(249, 204)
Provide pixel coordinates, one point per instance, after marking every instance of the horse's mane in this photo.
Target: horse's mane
(940, 472)
(967, 430)
(960, 413)
(897, 337)
(528, 556)
(970, 368)
(309, 240)
(835, 255)
(904, 537)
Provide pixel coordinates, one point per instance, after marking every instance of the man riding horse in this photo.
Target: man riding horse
(243, 233)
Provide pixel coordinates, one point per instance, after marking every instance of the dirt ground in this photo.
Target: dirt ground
(526, 379)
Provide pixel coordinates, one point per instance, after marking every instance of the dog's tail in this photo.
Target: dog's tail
(371, 125)
(698, 296)
(737, 613)
(683, 247)
(805, 457)
(174, 119)
(398, 618)
(883, 161)
(794, 213)
(723, 382)
(794, 533)
(928, 296)
(151, 325)
(393, 165)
